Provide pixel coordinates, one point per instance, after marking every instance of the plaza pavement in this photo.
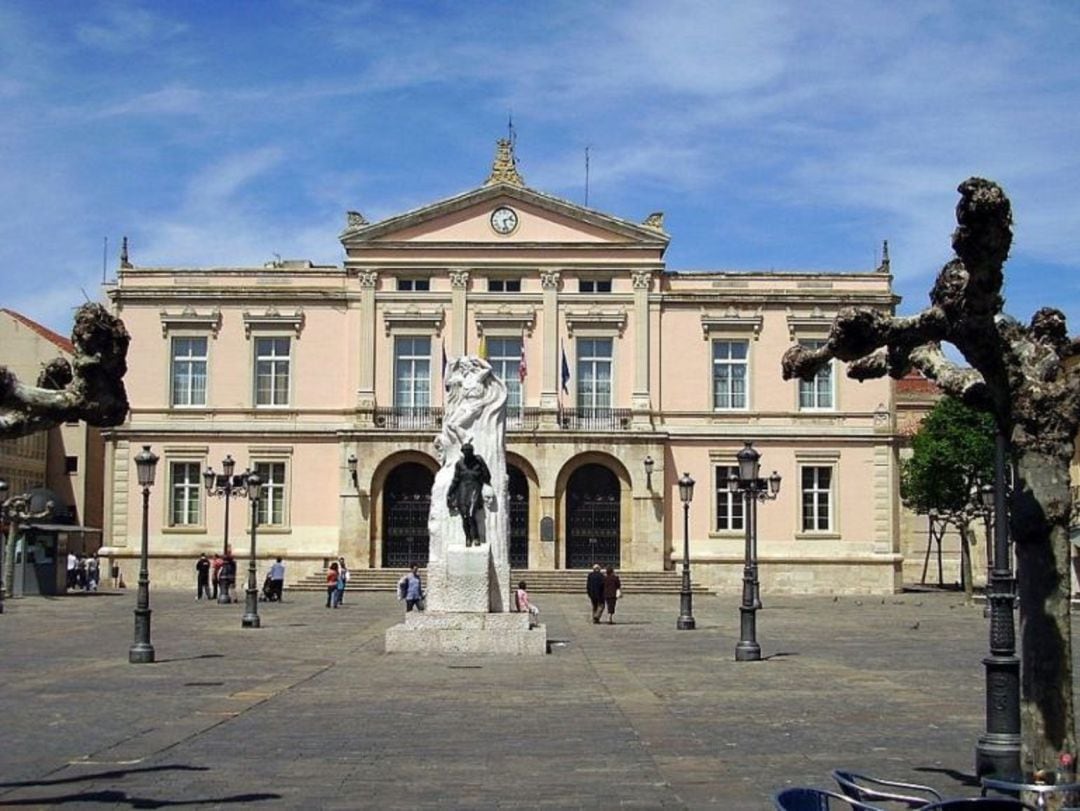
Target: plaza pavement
(309, 712)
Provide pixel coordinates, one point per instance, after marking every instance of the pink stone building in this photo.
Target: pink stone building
(327, 381)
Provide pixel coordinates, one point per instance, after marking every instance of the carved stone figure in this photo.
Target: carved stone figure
(465, 495)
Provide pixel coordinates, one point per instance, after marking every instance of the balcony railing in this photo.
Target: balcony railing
(595, 419)
(415, 418)
(522, 419)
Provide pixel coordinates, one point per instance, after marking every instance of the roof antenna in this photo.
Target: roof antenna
(586, 176)
(124, 261)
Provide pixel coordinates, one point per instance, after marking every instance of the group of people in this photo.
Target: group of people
(337, 578)
(217, 577)
(83, 572)
(604, 590)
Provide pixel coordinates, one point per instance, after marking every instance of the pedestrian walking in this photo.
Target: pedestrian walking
(413, 589)
(612, 593)
(277, 580)
(594, 587)
(93, 572)
(215, 574)
(202, 577)
(331, 585)
(524, 605)
(343, 579)
(227, 578)
(72, 569)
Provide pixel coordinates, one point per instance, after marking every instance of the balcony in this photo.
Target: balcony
(595, 419)
(522, 419)
(414, 418)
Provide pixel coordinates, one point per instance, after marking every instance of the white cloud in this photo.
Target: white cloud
(124, 26)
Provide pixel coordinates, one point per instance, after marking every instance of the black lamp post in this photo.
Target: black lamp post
(352, 462)
(649, 465)
(251, 601)
(142, 652)
(3, 498)
(227, 486)
(686, 606)
(753, 488)
(998, 751)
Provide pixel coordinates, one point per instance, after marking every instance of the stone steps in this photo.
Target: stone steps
(541, 581)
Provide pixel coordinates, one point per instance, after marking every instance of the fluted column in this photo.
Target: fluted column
(459, 284)
(549, 392)
(365, 396)
(641, 398)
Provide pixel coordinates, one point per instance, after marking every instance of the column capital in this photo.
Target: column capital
(549, 279)
(368, 278)
(642, 279)
(459, 279)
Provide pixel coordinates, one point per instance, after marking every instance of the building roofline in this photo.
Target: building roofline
(54, 338)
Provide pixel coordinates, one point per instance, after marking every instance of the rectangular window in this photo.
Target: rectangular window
(729, 506)
(594, 373)
(504, 285)
(272, 500)
(817, 499)
(817, 394)
(272, 371)
(71, 464)
(412, 372)
(730, 374)
(189, 371)
(504, 355)
(414, 285)
(594, 285)
(185, 494)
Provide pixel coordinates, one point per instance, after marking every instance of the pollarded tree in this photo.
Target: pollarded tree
(89, 388)
(952, 456)
(1024, 377)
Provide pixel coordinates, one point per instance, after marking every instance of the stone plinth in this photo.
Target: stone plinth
(468, 573)
(467, 632)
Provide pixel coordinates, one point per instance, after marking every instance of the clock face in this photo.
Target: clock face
(504, 220)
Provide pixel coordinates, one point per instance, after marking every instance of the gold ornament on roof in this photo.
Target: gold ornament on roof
(504, 167)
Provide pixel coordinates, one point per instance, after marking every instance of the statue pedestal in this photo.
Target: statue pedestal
(466, 579)
(467, 632)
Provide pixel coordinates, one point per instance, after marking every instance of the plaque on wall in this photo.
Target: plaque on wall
(547, 529)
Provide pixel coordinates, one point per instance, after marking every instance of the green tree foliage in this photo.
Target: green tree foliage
(953, 454)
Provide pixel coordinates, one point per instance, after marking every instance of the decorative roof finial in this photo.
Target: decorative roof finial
(655, 221)
(354, 219)
(124, 263)
(884, 266)
(504, 167)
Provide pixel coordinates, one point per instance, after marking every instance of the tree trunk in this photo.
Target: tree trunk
(965, 561)
(1039, 521)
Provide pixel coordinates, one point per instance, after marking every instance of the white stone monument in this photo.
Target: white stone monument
(470, 599)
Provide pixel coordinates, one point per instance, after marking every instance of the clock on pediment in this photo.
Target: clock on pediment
(504, 220)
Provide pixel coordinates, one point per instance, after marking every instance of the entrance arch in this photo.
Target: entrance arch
(593, 504)
(517, 486)
(406, 500)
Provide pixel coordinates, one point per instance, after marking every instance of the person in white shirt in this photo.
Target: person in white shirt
(277, 580)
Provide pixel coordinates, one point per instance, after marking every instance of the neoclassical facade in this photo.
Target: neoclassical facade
(327, 381)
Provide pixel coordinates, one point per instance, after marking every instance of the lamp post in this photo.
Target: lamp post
(227, 486)
(753, 488)
(251, 601)
(353, 462)
(649, 465)
(686, 605)
(998, 751)
(15, 510)
(986, 500)
(142, 652)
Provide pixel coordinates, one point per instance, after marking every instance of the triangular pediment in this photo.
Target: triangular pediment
(467, 220)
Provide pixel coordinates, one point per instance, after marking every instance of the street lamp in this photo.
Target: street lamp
(997, 752)
(753, 488)
(649, 465)
(227, 486)
(352, 462)
(986, 501)
(142, 652)
(251, 602)
(16, 511)
(686, 607)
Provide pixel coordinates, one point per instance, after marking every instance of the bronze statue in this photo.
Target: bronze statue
(465, 495)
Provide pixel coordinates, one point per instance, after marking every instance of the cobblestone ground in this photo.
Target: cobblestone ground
(309, 712)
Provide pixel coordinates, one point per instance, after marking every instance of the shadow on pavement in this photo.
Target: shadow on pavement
(192, 658)
(122, 798)
(962, 778)
(109, 775)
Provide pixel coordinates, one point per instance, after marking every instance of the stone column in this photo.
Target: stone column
(641, 400)
(549, 391)
(459, 283)
(365, 396)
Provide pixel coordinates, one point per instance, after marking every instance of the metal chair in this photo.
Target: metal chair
(816, 799)
(979, 804)
(873, 789)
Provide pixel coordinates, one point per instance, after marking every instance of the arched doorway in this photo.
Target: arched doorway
(592, 517)
(518, 494)
(406, 501)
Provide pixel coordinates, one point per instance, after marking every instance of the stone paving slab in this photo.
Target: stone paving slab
(309, 712)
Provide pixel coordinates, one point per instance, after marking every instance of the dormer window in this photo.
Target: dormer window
(414, 285)
(594, 285)
(504, 285)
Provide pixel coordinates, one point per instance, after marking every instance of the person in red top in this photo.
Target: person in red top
(612, 593)
(215, 574)
(331, 585)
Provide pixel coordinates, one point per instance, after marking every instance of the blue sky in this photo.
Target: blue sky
(775, 135)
